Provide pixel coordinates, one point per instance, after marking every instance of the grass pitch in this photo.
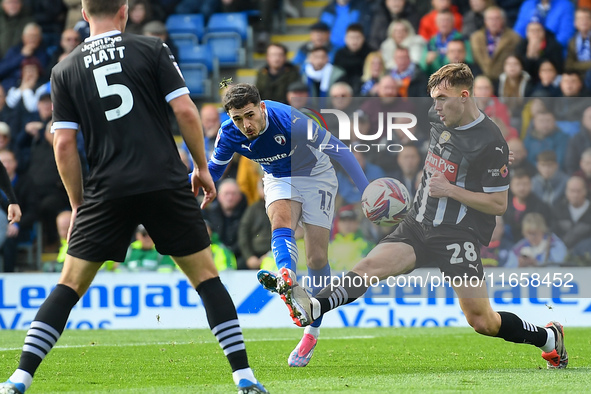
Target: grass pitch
(352, 360)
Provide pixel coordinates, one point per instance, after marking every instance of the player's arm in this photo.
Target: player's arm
(221, 157)
(494, 203)
(190, 126)
(14, 210)
(325, 142)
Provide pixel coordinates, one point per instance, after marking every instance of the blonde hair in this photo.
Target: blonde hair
(367, 66)
(534, 221)
(452, 75)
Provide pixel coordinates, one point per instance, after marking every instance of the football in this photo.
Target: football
(385, 201)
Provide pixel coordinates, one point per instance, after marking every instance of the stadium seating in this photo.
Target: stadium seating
(198, 63)
(230, 37)
(186, 24)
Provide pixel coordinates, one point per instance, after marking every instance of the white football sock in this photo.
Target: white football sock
(22, 376)
(315, 331)
(550, 342)
(245, 373)
(316, 310)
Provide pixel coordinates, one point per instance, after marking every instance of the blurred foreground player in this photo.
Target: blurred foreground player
(465, 184)
(300, 184)
(115, 87)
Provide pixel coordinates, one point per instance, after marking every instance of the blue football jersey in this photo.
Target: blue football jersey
(282, 148)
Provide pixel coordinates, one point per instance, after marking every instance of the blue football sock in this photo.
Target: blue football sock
(318, 280)
(284, 248)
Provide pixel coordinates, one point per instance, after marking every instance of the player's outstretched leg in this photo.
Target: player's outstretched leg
(223, 321)
(285, 251)
(302, 354)
(304, 309)
(46, 329)
(550, 338)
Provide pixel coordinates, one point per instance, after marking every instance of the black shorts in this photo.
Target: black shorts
(453, 249)
(103, 230)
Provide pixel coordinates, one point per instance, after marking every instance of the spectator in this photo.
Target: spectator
(539, 247)
(457, 53)
(578, 54)
(579, 143)
(537, 46)
(70, 39)
(25, 194)
(254, 234)
(511, 9)
(339, 15)
(297, 94)
(573, 103)
(22, 99)
(223, 257)
(33, 131)
(401, 33)
(50, 15)
(341, 98)
(30, 48)
(158, 29)
(385, 102)
(488, 102)
(585, 168)
(348, 245)
(474, 19)
(224, 215)
(514, 86)
(319, 73)
(428, 27)
(520, 161)
(546, 135)
(62, 223)
(142, 255)
(556, 16)
(499, 247)
(205, 7)
(13, 19)
(373, 69)
(548, 81)
(386, 12)
(572, 217)
(434, 58)
(319, 37)
(410, 166)
(507, 131)
(74, 12)
(4, 136)
(248, 175)
(276, 75)
(493, 43)
(140, 13)
(411, 80)
(549, 184)
(351, 57)
(521, 202)
(347, 189)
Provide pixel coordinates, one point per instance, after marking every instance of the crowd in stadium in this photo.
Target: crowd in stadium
(531, 60)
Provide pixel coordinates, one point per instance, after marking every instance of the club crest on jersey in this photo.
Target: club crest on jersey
(280, 139)
(444, 137)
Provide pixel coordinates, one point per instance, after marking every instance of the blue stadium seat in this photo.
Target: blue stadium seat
(229, 36)
(200, 69)
(186, 24)
(184, 39)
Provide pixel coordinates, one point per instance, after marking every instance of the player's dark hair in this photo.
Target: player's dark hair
(102, 7)
(355, 27)
(452, 75)
(240, 95)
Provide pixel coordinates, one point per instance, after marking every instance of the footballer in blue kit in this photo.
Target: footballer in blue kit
(300, 184)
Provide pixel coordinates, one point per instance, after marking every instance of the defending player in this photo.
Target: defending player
(465, 183)
(115, 87)
(299, 184)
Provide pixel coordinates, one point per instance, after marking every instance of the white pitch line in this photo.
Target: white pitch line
(7, 349)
